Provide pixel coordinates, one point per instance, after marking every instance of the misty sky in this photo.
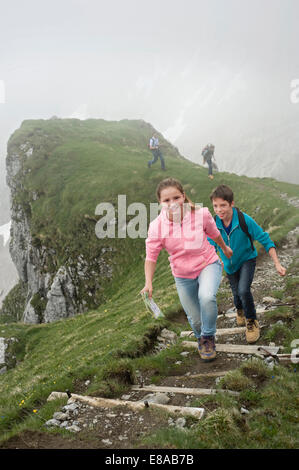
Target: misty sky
(198, 71)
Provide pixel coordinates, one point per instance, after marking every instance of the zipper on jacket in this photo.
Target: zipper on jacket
(228, 236)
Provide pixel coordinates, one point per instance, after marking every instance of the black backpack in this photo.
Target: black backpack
(243, 225)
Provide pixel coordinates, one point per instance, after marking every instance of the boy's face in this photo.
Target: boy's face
(222, 208)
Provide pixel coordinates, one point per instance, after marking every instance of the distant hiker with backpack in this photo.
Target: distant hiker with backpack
(182, 229)
(208, 154)
(239, 230)
(154, 148)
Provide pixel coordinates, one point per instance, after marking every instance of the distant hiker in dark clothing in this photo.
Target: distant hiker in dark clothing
(154, 148)
(208, 154)
(238, 231)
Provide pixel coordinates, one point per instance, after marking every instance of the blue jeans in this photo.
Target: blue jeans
(157, 154)
(240, 283)
(210, 164)
(198, 299)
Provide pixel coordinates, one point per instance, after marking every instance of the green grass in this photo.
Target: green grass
(74, 168)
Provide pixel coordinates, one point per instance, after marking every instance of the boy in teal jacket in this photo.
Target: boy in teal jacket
(241, 266)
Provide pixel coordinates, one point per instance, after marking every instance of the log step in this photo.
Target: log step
(219, 332)
(134, 406)
(183, 390)
(203, 375)
(259, 311)
(237, 348)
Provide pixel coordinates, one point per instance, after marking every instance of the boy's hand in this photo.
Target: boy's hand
(280, 269)
(228, 252)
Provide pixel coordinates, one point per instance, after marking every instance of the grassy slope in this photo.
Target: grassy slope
(95, 161)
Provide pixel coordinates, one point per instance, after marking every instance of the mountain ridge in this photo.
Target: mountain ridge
(59, 170)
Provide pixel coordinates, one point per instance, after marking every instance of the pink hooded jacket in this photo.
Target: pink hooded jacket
(186, 242)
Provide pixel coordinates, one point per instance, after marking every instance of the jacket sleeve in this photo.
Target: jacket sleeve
(153, 243)
(258, 233)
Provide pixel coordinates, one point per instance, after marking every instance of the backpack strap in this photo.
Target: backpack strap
(244, 227)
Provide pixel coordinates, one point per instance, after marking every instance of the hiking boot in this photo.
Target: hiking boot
(252, 330)
(207, 348)
(240, 318)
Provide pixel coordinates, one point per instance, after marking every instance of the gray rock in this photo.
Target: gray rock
(244, 411)
(71, 407)
(168, 335)
(52, 422)
(60, 304)
(7, 359)
(269, 300)
(161, 398)
(125, 397)
(60, 416)
(64, 424)
(107, 442)
(73, 428)
(180, 422)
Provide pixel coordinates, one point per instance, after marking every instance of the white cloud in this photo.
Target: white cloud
(5, 232)
(2, 91)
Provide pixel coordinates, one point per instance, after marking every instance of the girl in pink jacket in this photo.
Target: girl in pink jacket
(182, 229)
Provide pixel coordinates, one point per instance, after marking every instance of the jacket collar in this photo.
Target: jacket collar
(235, 220)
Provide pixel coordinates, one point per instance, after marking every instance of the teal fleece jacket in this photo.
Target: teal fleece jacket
(240, 243)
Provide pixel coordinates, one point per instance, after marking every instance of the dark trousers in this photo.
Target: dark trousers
(157, 154)
(240, 283)
(209, 162)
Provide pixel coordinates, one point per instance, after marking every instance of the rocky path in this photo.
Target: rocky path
(119, 424)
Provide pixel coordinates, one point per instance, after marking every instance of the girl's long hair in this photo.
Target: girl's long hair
(171, 182)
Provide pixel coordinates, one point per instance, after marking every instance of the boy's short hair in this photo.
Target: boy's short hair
(224, 192)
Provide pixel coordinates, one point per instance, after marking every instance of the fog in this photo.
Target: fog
(198, 71)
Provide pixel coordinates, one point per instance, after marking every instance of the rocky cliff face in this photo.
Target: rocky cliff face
(52, 294)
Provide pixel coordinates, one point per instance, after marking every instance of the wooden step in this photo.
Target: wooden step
(219, 332)
(237, 348)
(133, 405)
(183, 390)
(259, 311)
(203, 375)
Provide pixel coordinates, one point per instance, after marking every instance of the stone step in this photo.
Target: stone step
(182, 390)
(238, 348)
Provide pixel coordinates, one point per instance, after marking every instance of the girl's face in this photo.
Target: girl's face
(172, 201)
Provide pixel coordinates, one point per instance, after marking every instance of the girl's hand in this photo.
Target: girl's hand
(149, 289)
(280, 269)
(228, 251)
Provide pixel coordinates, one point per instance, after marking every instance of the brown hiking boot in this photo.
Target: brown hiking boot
(252, 330)
(240, 318)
